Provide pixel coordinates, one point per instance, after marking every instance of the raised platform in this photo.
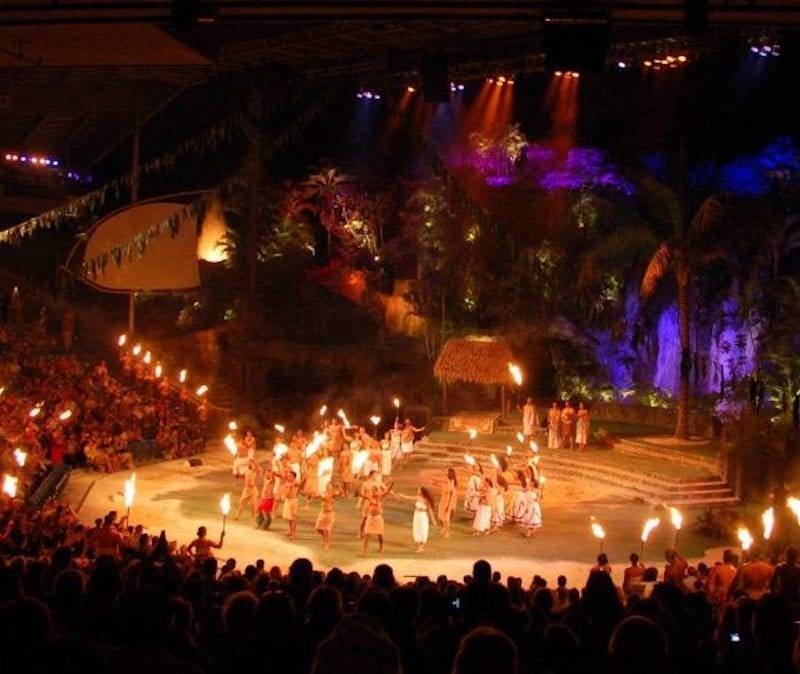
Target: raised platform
(482, 422)
(633, 468)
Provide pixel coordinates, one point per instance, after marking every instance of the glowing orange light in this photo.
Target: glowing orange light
(410, 90)
(558, 73)
(682, 58)
(501, 79)
(648, 63)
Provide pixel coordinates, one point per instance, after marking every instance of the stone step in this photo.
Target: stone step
(700, 491)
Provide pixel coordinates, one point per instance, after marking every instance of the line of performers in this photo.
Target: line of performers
(509, 495)
(311, 469)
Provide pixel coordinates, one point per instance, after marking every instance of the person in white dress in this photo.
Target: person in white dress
(530, 419)
(423, 516)
(482, 522)
(474, 484)
(582, 427)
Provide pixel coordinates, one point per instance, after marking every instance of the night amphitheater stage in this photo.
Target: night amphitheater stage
(174, 496)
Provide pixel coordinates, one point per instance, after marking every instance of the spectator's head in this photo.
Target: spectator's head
(486, 650)
(638, 646)
(324, 608)
(561, 581)
(238, 612)
(602, 559)
(356, 648)
(791, 555)
(634, 559)
(560, 651)
(301, 572)
(383, 577)
(481, 571)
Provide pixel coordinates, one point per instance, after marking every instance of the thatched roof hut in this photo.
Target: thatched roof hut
(476, 360)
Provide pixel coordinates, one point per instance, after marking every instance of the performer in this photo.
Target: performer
(407, 438)
(372, 481)
(386, 455)
(497, 500)
(447, 501)
(327, 516)
(582, 427)
(266, 503)
(423, 515)
(396, 440)
(200, 547)
(482, 521)
(530, 419)
(374, 524)
(474, 485)
(250, 489)
(346, 469)
(568, 417)
(292, 489)
(530, 515)
(553, 427)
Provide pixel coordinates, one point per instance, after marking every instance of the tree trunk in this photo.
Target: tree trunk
(682, 423)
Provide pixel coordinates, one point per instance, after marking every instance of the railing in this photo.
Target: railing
(50, 487)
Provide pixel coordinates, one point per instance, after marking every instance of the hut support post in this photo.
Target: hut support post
(503, 401)
(444, 397)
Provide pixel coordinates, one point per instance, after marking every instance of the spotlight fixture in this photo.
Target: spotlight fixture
(765, 45)
(501, 80)
(366, 94)
(410, 89)
(569, 74)
(456, 87)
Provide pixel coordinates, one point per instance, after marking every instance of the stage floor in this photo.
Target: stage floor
(178, 498)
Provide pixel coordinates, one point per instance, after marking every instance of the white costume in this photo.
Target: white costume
(421, 523)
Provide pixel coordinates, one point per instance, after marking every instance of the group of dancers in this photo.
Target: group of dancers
(330, 464)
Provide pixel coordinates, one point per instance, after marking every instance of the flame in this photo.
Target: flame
(472, 433)
(20, 457)
(66, 414)
(597, 530)
(137, 349)
(225, 504)
(649, 525)
(122, 339)
(233, 426)
(313, 446)
(182, 376)
(343, 417)
(35, 412)
(677, 518)
(534, 447)
(494, 461)
(130, 490)
(375, 419)
(516, 373)
(794, 506)
(158, 371)
(744, 537)
(469, 459)
(280, 449)
(509, 450)
(542, 480)
(520, 437)
(10, 485)
(212, 232)
(396, 403)
(147, 357)
(768, 520)
(280, 428)
(201, 390)
(230, 443)
(323, 410)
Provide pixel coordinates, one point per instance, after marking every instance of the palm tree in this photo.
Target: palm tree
(326, 192)
(680, 256)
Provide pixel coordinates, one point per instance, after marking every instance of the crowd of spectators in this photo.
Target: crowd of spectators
(56, 408)
(111, 597)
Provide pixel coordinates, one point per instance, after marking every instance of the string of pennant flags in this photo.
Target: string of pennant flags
(136, 246)
(109, 194)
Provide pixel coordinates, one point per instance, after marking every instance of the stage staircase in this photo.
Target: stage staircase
(630, 475)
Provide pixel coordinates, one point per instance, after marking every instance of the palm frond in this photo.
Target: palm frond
(709, 215)
(659, 266)
(624, 244)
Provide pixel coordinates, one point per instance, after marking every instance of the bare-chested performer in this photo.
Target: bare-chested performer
(374, 524)
(250, 488)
